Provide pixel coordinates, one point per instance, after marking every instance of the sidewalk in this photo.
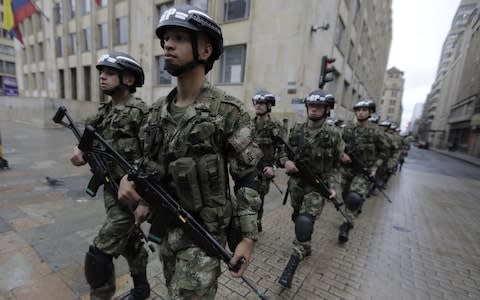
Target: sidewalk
(459, 155)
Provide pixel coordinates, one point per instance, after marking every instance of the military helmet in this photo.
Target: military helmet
(365, 103)
(263, 96)
(189, 17)
(320, 97)
(123, 63)
(385, 123)
(374, 118)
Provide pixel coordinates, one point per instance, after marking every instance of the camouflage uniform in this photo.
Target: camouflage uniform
(369, 145)
(263, 131)
(189, 150)
(120, 126)
(320, 150)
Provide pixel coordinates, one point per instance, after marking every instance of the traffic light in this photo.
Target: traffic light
(325, 70)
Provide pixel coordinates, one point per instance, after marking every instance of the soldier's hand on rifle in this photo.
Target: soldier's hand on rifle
(77, 157)
(127, 194)
(344, 158)
(141, 213)
(268, 172)
(333, 194)
(290, 167)
(244, 249)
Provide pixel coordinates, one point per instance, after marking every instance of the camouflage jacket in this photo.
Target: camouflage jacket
(368, 143)
(120, 125)
(320, 149)
(263, 131)
(193, 156)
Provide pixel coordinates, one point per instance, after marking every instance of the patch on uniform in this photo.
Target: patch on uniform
(240, 139)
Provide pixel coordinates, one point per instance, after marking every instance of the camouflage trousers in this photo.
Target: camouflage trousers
(304, 200)
(115, 238)
(189, 272)
(354, 183)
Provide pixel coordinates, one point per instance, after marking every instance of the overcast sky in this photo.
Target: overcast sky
(419, 29)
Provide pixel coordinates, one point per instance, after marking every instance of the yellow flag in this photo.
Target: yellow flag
(8, 21)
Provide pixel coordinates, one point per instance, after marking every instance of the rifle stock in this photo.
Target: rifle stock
(153, 192)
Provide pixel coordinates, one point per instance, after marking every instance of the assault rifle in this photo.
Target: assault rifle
(312, 179)
(101, 173)
(149, 189)
(359, 166)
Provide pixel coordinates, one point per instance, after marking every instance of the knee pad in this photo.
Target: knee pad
(98, 267)
(304, 227)
(353, 201)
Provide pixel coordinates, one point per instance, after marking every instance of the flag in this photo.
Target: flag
(98, 2)
(15, 11)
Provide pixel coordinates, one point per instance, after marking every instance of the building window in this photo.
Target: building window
(200, 4)
(122, 30)
(340, 30)
(232, 64)
(73, 43)
(40, 51)
(356, 18)
(86, 7)
(10, 67)
(34, 81)
(394, 93)
(42, 81)
(87, 83)
(87, 39)
(391, 110)
(163, 77)
(61, 84)
(392, 102)
(235, 9)
(102, 35)
(351, 55)
(73, 74)
(72, 8)
(58, 12)
(60, 51)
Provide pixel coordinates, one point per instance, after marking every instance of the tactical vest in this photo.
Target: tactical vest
(189, 158)
(317, 146)
(262, 135)
(120, 125)
(362, 140)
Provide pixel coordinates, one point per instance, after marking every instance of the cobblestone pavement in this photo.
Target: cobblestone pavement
(425, 245)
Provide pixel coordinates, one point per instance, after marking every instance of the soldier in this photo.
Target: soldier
(368, 144)
(321, 146)
(263, 131)
(389, 163)
(119, 121)
(192, 136)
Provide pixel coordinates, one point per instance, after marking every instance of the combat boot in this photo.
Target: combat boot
(343, 234)
(287, 275)
(141, 288)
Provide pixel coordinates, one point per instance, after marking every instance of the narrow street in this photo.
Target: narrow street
(425, 245)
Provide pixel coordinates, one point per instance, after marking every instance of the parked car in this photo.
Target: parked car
(422, 145)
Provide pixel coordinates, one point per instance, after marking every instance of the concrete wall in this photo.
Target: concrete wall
(39, 112)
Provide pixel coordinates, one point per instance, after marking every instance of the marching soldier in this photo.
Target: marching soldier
(320, 146)
(119, 121)
(367, 143)
(263, 131)
(193, 137)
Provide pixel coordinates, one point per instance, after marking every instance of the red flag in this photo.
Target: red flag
(19, 10)
(98, 2)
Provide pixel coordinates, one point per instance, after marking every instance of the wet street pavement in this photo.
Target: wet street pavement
(425, 245)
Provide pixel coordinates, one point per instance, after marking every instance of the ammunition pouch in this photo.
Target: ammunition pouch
(185, 176)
